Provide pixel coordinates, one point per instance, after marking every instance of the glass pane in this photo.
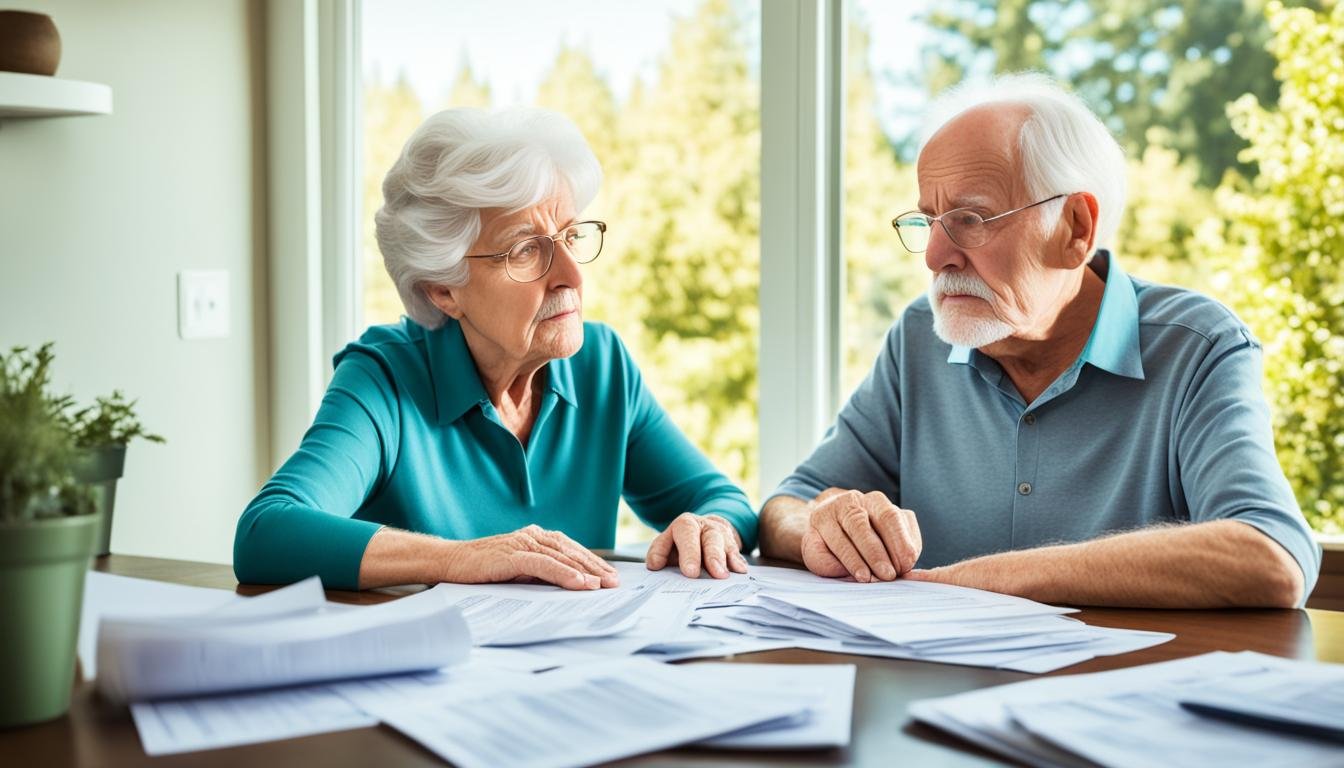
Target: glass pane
(666, 92)
(1233, 191)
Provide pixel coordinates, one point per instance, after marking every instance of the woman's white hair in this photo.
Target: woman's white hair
(458, 162)
(1064, 146)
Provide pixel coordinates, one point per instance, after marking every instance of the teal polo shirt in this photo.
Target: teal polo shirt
(1161, 419)
(406, 437)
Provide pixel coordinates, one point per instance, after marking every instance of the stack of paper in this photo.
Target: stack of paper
(286, 637)
(592, 713)
(609, 700)
(475, 713)
(914, 620)
(1135, 716)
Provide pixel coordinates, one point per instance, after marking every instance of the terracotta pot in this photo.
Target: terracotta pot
(29, 43)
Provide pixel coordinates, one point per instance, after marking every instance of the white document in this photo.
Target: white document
(209, 722)
(106, 593)
(267, 644)
(1127, 717)
(188, 725)
(580, 716)
(901, 612)
(827, 723)
(915, 620)
(523, 614)
(1311, 696)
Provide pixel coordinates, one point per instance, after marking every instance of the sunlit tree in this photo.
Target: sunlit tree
(881, 277)
(1282, 242)
(691, 223)
(1170, 65)
(391, 113)
(1166, 207)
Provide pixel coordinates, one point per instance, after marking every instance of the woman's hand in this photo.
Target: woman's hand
(529, 553)
(698, 539)
(862, 535)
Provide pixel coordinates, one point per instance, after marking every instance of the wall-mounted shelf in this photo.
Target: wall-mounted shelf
(40, 96)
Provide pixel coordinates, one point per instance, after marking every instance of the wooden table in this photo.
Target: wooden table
(97, 733)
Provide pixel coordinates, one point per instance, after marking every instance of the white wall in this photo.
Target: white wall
(97, 217)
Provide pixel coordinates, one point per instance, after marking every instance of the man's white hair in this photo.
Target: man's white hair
(1064, 146)
(458, 162)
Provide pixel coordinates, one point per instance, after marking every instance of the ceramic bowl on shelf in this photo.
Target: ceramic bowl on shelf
(29, 43)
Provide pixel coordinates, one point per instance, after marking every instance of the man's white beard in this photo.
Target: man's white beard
(960, 328)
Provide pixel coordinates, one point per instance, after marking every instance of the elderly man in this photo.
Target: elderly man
(1042, 424)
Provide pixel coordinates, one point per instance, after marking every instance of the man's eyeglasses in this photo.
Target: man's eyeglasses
(964, 226)
(529, 259)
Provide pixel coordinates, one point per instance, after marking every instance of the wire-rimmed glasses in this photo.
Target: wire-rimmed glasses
(530, 258)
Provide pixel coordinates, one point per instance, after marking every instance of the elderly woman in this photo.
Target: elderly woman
(489, 436)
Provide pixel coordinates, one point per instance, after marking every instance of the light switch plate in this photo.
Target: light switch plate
(203, 304)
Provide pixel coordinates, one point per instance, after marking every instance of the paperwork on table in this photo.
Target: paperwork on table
(290, 636)
(1135, 716)
(105, 593)
(160, 640)
(592, 713)
(914, 620)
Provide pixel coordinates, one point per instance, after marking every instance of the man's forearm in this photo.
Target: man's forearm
(1205, 565)
(783, 523)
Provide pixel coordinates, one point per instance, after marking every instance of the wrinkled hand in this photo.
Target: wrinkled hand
(530, 553)
(861, 535)
(694, 540)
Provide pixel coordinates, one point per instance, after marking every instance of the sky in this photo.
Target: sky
(510, 43)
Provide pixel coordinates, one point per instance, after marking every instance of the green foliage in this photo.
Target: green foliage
(1145, 65)
(109, 421)
(37, 442)
(1166, 206)
(679, 275)
(881, 277)
(1280, 249)
(391, 114)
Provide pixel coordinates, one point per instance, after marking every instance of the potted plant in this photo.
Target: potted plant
(48, 527)
(102, 431)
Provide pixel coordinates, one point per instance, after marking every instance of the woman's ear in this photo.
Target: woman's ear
(445, 298)
(1080, 213)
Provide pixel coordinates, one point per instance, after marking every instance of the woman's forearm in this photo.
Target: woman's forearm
(396, 557)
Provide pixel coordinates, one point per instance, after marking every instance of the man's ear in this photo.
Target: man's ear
(445, 298)
(1080, 214)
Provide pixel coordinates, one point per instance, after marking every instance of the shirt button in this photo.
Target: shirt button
(1030, 418)
(1024, 488)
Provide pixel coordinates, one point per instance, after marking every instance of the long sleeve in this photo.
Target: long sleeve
(1225, 452)
(665, 475)
(301, 523)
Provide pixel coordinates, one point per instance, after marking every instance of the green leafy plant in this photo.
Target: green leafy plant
(109, 421)
(37, 443)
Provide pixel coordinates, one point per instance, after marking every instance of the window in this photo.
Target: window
(667, 94)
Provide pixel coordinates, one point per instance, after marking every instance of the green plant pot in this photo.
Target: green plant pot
(100, 469)
(42, 567)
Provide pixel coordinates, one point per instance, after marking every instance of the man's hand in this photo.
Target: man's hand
(861, 535)
(529, 553)
(696, 540)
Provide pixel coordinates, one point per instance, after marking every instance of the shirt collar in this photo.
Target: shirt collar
(457, 384)
(1114, 343)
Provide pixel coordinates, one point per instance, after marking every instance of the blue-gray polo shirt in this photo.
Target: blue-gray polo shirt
(1161, 419)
